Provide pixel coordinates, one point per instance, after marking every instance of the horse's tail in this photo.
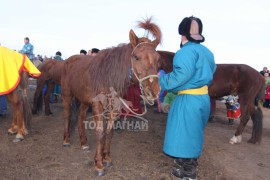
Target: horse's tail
(73, 116)
(26, 105)
(258, 115)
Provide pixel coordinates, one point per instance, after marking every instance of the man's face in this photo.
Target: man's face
(265, 68)
(25, 41)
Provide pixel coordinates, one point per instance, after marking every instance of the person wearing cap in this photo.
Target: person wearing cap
(28, 49)
(193, 69)
(83, 52)
(58, 56)
(56, 94)
(94, 51)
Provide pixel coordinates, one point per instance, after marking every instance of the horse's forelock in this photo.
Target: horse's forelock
(147, 24)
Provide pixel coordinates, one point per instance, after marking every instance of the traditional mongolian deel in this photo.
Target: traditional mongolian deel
(11, 64)
(193, 69)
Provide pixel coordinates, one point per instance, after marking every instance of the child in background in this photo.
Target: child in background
(233, 108)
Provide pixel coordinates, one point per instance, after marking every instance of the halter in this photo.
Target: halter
(141, 86)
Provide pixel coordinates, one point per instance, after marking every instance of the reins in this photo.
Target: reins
(141, 87)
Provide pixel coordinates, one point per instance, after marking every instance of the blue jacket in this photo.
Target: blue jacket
(193, 67)
(28, 50)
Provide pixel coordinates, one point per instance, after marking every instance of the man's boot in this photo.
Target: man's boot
(186, 168)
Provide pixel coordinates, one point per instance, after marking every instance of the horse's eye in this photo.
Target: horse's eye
(136, 58)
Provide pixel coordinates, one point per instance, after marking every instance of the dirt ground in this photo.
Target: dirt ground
(135, 155)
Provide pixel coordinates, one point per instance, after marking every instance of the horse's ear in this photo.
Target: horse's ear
(133, 38)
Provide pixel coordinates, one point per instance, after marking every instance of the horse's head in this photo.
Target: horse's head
(145, 59)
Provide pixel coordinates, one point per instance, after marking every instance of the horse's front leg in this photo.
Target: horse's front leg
(108, 137)
(81, 127)
(12, 99)
(237, 138)
(67, 105)
(100, 137)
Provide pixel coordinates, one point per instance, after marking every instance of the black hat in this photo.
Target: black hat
(58, 53)
(83, 51)
(192, 27)
(95, 50)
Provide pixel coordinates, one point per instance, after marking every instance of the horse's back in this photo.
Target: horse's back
(239, 78)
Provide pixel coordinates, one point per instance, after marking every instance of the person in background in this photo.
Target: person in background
(3, 106)
(89, 53)
(58, 56)
(267, 97)
(94, 51)
(56, 95)
(233, 108)
(28, 49)
(166, 104)
(193, 70)
(37, 62)
(267, 79)
(265, 70)
(162, 94)
(83, 52)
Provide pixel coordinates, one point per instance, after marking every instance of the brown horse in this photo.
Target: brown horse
(18, 66)
(235, 79)
(110, 69)
(51, 71)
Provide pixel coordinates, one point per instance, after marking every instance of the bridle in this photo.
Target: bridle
(141, 86)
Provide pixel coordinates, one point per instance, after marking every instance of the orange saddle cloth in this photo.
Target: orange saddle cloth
(11, 65)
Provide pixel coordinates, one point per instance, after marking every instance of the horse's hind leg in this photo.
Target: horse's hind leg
(50, 86)
(81, 127)
(256, 116)
(17, 125)
(237, 138)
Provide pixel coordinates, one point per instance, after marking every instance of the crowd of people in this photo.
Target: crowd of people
(37, 60)
(190, 73)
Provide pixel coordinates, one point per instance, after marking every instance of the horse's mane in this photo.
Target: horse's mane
(111, 68)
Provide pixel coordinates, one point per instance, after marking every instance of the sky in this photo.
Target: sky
(236, 31)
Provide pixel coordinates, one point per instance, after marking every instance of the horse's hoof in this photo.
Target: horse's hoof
(10, 132)
(236, 139)
(251, 141)
(85, 147)
(107, 163)
(66, 144)
(49, 114)
(100, 172)
(17, 140)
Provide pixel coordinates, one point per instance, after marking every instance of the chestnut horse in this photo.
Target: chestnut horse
(51, 71)
(18, 66)
(111, 68)
(235, 79)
